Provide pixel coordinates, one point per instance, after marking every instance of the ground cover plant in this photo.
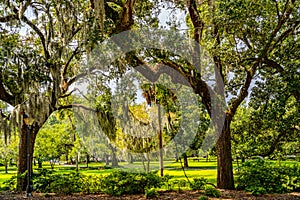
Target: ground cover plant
(261, 177)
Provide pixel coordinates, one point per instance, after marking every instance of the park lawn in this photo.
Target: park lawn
(196, 169)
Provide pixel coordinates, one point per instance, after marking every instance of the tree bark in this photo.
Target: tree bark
(87, 160)
(185, 161)
(130, 158)
(6, 164)
(40, 164)
(225, 173)
(22, 158)
(114, 161)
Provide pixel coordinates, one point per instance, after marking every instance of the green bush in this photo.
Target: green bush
(167, 181)
(256, 191)
(212, 192)
(121, 182)
(260, 177)
(116, 183)
(49, 182)
(11, 184)
(203, 198)
(151, 193)
(92, 184)
(198, 183)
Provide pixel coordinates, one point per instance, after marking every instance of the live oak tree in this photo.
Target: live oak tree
(241, 45)
(41, 44)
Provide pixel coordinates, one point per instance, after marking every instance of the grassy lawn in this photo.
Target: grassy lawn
(196, 169)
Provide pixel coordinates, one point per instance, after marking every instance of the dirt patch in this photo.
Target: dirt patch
(184, 195)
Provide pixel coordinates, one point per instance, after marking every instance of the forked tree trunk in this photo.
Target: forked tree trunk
(225, 173)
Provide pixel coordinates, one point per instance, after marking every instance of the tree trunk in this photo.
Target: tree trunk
(130, 158)
(106, 159)
(143, 162)
(40, 164)
(185, 161)
(114, 161)
(87, 160)
(148, 162)
(243, 159)
(225, 173)
(22, 159)
(5, 164)
(160, 143)
(67, 156)
(77, 160)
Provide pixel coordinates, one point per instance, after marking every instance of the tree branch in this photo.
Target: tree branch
(76, 106)
(198, 29)
(244, 91)
(273, 64)
(4, 95)
(8, 18)
(40, 34)
(126, 19)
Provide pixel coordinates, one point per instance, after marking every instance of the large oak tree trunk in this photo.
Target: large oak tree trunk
(225, 173)
(22, 158)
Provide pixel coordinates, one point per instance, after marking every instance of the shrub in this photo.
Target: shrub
(11, 184)
(203, 198)
(212, 192)
(151, 193)
(260, 177)
(49, 182)
(198, 183)
(121, 182)
(256, 191)
(166, 181)
(92, 184)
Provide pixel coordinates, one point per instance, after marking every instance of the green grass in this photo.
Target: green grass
(196, 169)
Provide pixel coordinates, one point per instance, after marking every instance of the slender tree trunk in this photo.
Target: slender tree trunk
(40, 164)
(243, 159)
(106, 160)
(87, 160)
(176, 153)
(225, 173)
(160, 142)
(6, 164)
(185, 161)
(67, 156)
(148, 162)
(76, 160)
(143, 162)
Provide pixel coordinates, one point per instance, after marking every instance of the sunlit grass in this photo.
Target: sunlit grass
(196, 169)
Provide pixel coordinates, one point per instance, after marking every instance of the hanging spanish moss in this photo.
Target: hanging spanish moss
(100, 13)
